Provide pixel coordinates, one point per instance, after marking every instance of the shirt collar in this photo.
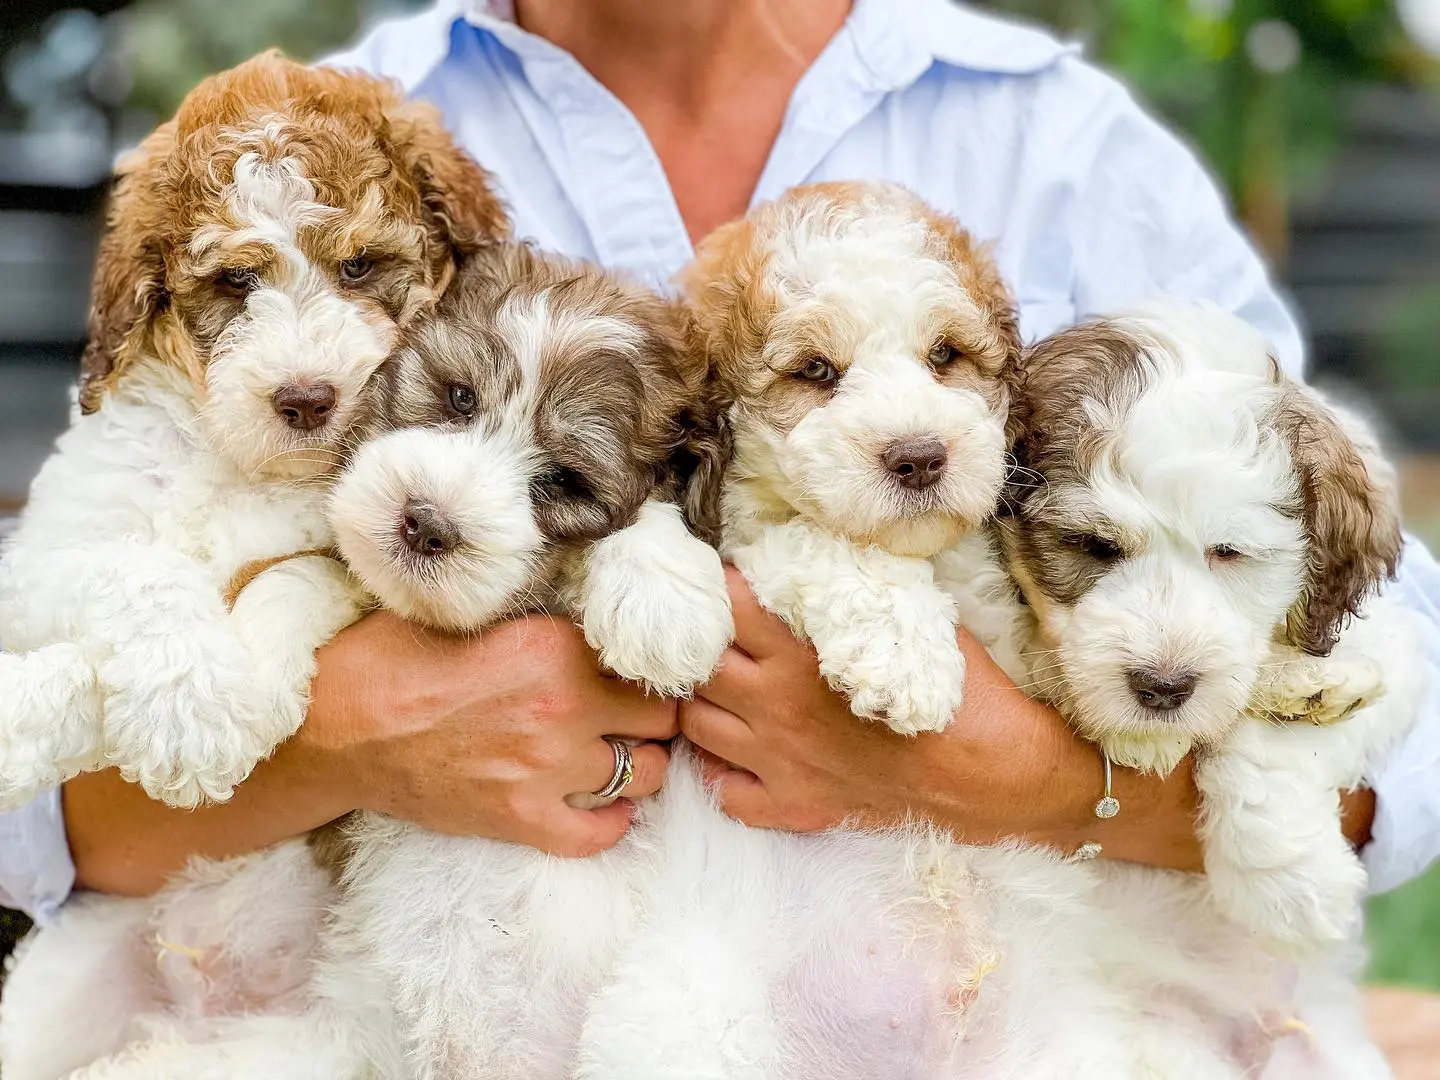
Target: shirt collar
(898, 39)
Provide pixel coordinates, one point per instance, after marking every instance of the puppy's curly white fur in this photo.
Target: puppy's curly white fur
(263, 250)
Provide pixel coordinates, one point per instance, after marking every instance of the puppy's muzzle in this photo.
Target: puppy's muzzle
(1162, 691)
(427, 530)
(307, 406)
(917, 463)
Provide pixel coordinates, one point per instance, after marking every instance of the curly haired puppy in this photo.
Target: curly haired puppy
(866, 343)
(866, 346)
(541, 441)
(1198, 552)
(263, 249)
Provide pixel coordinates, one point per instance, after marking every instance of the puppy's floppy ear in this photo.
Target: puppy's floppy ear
(680, 380)
(128, 287)
(700, 461)
(725, 307)
(465, 214)
(1350, 511)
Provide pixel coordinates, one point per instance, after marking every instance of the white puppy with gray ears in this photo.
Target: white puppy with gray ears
(1199, 540)
(1202, 531)
(263, 250)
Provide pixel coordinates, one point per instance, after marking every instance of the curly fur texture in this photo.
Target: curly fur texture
(553, 473)
(272, 239)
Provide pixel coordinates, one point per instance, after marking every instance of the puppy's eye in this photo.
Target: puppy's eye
(462, 399)
(1097, 547)
(237, 281)
(818, 370)
(356, 269)
(558, 482)
(1224, 553)
(943, 354)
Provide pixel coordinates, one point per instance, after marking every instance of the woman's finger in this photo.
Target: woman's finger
(718, 731)
(737, 684)
(758, 633)
(648, 763)
(743, 797)
(627, 712)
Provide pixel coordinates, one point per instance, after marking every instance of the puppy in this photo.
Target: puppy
(901, 953)
(542, 440)
(1196, 536)
(866, 346)
(1201, 532)
(263, 250)
(866, 343)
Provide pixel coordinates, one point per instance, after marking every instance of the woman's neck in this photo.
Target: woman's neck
(708, 80)
(687, 51)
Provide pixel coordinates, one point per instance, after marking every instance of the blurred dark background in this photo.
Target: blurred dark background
(1321, 117)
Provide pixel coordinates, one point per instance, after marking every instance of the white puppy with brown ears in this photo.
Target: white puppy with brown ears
(263, 250)
(864, 341)
(1202, 531)
(1198, 543)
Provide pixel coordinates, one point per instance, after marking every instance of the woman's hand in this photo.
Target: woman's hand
(480, 736)
(483, 736)
(786, 752)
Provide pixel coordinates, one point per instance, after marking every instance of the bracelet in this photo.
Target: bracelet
(1108, 806)
(1105, 809)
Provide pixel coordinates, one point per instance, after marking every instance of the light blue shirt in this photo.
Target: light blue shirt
(1089, 202)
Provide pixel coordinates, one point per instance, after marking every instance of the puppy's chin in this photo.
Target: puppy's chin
(479, 488)
(921, 537)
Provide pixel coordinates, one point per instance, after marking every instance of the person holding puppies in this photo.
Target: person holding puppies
(623, 132)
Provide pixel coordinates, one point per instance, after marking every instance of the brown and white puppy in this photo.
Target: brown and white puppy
(263, 251)
(1195, 535)
(549, 435)
(570, 395)
(270, 240)
(538, 442)
(865, 343)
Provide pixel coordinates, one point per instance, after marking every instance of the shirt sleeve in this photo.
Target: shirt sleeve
(1149, 219)
(36, 873)
(1405, 839)
(1153, 221)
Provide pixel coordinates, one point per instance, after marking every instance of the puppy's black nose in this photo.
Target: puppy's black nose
(305, 408)
(427, 530)
(916, 463)
(1165, 691)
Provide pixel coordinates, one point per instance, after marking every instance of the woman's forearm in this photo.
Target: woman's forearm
(124, 842)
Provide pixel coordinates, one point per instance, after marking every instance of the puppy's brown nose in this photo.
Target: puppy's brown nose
(427, 530)
(1163, 691)
(916, 463)
(305, 408)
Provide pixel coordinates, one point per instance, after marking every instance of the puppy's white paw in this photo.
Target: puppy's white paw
(911, 675)
(653, 603)
(49, 723)
(1318, 690)
(182, 722)
(1299, 909)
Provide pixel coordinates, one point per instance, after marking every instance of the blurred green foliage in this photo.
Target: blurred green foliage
(171, 45)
